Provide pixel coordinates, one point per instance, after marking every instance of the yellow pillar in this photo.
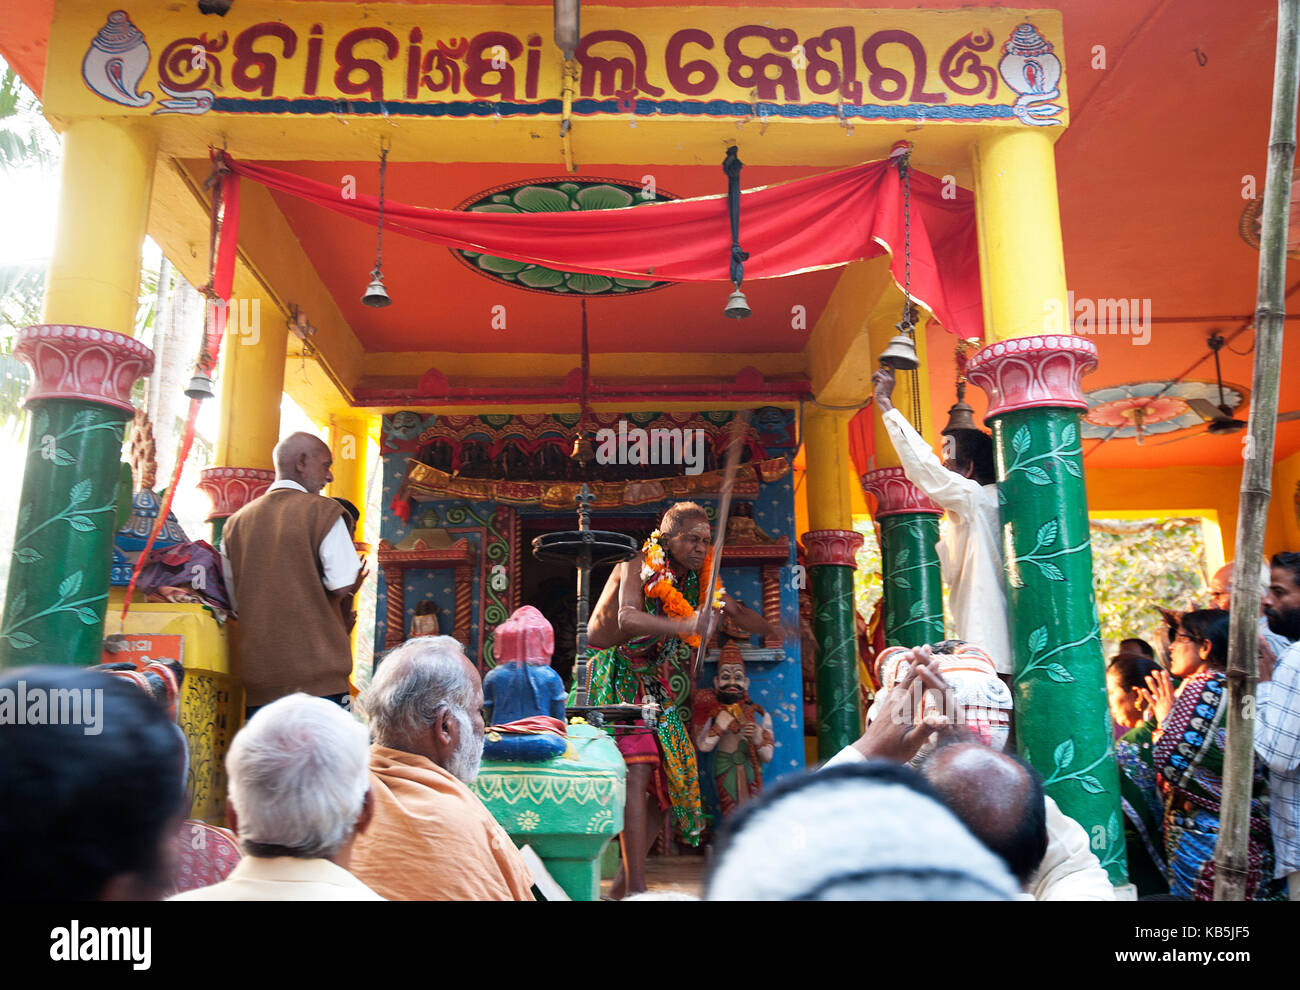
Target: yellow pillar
(251, 382)
(349, 435)
(830, 469)
(104, 190)
(1022, 262)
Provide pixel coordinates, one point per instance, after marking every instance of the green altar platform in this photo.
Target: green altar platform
(567, 809)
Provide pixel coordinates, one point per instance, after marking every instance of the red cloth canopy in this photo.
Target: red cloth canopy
(819, 222)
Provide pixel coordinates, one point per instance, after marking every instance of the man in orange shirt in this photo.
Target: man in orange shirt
(431, 838)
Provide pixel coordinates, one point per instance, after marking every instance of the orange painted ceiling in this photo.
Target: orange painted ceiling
(440, 305)
(1170, 103)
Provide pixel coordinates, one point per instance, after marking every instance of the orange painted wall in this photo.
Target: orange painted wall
(1189, 488)
(1286, 503)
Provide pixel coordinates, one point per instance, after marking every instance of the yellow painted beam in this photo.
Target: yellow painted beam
(104, 192)
(288, 110)
(1022, 260)
(269, 247)
(839, 352)
(308, 383)
(179, 223)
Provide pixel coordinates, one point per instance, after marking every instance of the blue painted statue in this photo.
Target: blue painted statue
(523, 698)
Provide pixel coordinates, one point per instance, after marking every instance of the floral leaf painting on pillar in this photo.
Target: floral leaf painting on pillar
(1063, 725)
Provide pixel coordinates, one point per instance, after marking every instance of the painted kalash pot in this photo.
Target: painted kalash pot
(555, 787)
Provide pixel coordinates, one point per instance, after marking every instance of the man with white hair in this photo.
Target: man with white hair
(299, 797)
(432, 838)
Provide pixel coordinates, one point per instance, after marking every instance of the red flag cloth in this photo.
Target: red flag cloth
(819, 222)
(862, 441)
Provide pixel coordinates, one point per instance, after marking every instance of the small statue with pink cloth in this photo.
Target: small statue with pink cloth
(523, 698)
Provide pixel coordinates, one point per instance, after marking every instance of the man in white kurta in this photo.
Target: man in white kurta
(970, 553)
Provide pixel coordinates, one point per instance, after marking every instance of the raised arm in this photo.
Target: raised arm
(945, 488)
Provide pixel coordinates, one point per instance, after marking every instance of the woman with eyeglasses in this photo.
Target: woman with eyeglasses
(1189, 755)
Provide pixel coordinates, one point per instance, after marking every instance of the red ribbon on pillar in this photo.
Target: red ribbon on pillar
(223, 247)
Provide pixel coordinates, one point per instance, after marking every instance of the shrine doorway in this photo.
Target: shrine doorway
(552, 588)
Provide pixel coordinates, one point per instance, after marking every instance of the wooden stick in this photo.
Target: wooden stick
(1230, 853)
(738, 426)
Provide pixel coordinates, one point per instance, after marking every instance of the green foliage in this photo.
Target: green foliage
(1138, 564)
(867, 586)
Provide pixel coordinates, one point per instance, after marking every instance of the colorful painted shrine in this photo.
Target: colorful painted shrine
(475, 367)
(488, 524)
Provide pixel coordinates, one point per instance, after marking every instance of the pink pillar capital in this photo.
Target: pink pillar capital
(1033, 372)
(894, 494)
(832, 546)
(70, 362)
(232, 488)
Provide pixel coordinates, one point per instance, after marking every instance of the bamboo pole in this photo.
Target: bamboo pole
(1256, 483)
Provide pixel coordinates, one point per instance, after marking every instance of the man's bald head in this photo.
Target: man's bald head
(305, 459)
(999, 798)
(1221, 584)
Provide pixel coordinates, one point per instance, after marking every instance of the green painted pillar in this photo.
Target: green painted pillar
(909, 537)
(1063, 725)
(79, 402)
(831, 555)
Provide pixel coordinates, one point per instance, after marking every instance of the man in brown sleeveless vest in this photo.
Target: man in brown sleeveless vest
(289, 562)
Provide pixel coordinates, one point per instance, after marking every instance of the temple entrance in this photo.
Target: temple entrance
(551, 587)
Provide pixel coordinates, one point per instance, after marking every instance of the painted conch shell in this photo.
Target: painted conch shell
(1030, 69)
(116, 61)
(1028, 65)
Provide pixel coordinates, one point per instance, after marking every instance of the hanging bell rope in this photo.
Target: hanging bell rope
(900, 354)
(376, 296)
(737, 305)
(960, 415)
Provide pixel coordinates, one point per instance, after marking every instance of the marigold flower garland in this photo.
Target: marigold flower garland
(657, 579)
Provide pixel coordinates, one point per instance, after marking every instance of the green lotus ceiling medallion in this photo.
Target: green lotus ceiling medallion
(558, 196)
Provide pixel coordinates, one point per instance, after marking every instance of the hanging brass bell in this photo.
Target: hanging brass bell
(583, 452)
(737, 305)
(901, 354)
(376, 295)
(200, 387)
(960, 417)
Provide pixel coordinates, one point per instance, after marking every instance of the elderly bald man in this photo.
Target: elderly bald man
(1000, 798)
(289, 563)
(1271, 643)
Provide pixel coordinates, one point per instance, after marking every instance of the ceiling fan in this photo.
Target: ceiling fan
(1219, 420)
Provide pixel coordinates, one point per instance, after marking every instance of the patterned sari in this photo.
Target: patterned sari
(1143, 813)
(627, 674)
(1189, 758)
